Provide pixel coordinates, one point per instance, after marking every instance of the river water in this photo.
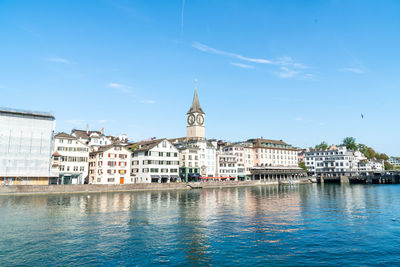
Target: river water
(305, 225)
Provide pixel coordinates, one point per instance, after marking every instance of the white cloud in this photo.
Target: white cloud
(322, 123)
(288, 61)
(120, 87)
(243, 66)
(288, 67)
(58, 60)
(148, 101)
(287, 73)
(207, 49)
(299, 119)
(115, 85)
(353, 70)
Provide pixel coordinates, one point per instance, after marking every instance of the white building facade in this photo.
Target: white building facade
(245, 158)
(72, 158)
(155, 161)
(227, 166)
(25, 146)
(335, 162)
(94, 139)
(394, 161)
(110, 165)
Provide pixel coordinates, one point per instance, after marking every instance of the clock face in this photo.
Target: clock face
(200, 119)
(191, 119)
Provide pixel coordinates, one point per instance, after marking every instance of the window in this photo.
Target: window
(111, 180)
(175, 154)
(160, 154)
(168, 154)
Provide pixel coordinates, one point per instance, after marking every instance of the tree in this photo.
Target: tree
(350, 143)
(322, 146)
(388, 166)
(134, 147)
(369, 153)
(303, 166)
(381, 156)
(362, 147)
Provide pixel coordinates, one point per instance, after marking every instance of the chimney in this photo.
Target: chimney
(102, 131)
(87, 128)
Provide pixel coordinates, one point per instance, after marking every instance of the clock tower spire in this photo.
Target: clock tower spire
(195, 119)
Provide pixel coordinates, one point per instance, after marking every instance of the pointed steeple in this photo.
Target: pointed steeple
(196, 104)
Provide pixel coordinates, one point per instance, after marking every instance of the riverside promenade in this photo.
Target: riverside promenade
(90, 188)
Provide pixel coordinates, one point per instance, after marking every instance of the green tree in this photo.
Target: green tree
(362, 147)
(388, 166)
(134, 147)
(303, 166)
(322, 146)
(369, 153)
(350, 143)
(381, 156)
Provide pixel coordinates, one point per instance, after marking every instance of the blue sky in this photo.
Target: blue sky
(301, 71)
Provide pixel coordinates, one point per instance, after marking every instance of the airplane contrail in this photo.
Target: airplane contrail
(182, 16)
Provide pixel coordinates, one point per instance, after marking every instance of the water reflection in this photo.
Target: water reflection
(248, 225)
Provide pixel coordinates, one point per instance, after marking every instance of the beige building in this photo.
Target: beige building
(273, 153)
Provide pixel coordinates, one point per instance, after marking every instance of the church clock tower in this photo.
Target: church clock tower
(195, 120)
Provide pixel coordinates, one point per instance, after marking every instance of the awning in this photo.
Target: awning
(174, 176)
(194, 175)
(155, 176)
(164, 176)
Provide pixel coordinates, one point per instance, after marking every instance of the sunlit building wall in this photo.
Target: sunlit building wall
(25, 146)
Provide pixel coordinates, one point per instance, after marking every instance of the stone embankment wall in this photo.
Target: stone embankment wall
(60, 189)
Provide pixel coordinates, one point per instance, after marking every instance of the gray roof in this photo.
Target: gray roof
(196, 104)
(64, 135)
(27, 113)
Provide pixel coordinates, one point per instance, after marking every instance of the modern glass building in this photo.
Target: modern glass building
(25, 146)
